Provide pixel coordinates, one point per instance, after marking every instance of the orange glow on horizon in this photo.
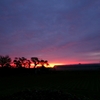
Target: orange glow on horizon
(53, 64)
(50, 65)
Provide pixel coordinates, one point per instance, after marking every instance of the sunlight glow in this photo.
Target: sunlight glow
(53, 64)
(50, 65)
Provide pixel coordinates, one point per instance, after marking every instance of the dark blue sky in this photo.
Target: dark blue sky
(60, 31)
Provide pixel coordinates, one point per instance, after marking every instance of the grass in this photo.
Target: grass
(80, 83)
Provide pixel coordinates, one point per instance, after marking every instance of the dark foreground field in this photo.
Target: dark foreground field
(80, 83)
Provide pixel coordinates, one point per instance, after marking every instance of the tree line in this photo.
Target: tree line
(21, 62)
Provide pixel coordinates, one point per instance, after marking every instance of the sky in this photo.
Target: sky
(60, 31)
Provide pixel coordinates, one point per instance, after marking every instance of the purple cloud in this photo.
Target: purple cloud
(56, 30)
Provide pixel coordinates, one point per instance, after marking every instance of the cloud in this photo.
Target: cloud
(58, 30)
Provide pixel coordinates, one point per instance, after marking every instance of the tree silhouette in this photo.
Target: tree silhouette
(43, 63)
(20, 62)
(28, 63)
(35, 60)
(17, 62)
(5, 60)
(23, 61)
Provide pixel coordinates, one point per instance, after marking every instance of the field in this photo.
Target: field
(80, 83)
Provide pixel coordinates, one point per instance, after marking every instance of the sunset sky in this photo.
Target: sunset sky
(60, 31)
